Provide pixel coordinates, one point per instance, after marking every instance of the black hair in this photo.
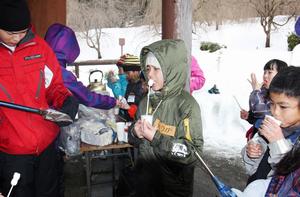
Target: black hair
(287, 82)
(290, 162)
(275, 64)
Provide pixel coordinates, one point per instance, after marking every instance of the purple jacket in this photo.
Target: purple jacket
(197, 79)
(287, 186)
(297, 27)
(63, 41)
(259, 103)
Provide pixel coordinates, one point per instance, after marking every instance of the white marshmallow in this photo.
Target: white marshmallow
(15, 179)
(150, 82)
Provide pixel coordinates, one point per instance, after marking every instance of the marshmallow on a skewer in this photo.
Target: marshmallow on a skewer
(14, 182)
(15, 179)
(150, 83)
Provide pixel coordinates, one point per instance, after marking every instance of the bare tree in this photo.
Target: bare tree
(268, 9)
(90, 16)
(153, 12)
(215, 12)
(90, 24)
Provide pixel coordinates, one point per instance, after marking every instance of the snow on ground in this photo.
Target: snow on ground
(229, 68)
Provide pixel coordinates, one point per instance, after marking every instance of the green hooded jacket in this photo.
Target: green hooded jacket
(178, 116)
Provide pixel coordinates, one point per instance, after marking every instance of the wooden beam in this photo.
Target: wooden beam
(46, 12)
(94, 62)
(91, 63)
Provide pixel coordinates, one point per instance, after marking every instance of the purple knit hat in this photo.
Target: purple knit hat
(297, 27)
(62, 40)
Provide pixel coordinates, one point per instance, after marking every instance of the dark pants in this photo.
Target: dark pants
(60, 171)
(38, 174)
(161, 181)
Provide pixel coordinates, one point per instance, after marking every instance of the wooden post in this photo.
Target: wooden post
(177, 24)
(168, 19)
(46, 12)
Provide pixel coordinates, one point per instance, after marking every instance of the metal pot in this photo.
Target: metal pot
(96, 86)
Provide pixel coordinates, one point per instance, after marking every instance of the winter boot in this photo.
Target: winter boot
(214, 90)
(211, 90)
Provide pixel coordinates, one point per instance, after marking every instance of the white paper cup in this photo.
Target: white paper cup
(120, 131)
(148, 118)
(277, 121)
(116, 110)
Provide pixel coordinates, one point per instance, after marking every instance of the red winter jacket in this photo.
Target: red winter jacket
(25, 79)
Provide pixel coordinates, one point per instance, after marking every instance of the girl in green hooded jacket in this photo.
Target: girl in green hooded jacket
(167, 145)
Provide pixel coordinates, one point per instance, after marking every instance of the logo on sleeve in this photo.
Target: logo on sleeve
(179, 150)
(32, 57)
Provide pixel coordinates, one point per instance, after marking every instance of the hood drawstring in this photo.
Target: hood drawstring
(157, 107)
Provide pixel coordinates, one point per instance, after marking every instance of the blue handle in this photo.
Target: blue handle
(20, 107)
(223, 189)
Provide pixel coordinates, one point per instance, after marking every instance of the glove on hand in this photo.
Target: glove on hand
(69, 107)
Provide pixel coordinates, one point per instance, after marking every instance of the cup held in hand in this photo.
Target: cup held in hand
(278, 122)
(148, 118)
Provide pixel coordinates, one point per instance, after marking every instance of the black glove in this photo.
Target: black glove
(70, 107)
(132, 139)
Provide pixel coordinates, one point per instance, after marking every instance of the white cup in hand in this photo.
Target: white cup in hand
(148, 118)
(278, 122)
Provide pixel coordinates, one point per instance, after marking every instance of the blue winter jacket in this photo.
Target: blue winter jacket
(119, 87)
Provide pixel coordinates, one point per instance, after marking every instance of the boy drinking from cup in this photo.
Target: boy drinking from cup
(284, 95)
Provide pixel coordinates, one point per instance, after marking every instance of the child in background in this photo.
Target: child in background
(284, 97)
(118, 86)
(134, 90)
(62, 40)
(197, 78)
(259, 105)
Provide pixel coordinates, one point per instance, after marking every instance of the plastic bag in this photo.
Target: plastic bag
(96, 126)
(95, 132)
(69, 139)
(85, 112)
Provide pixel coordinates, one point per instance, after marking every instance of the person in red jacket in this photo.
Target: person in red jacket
(30, 76)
